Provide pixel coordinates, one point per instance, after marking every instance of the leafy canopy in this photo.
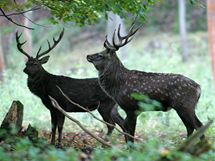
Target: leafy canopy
(85, 12)
(89, 11)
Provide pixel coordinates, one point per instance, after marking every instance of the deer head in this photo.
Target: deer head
(108, 56)
(34, 65)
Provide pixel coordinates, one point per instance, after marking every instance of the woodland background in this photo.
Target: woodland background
(161, 45)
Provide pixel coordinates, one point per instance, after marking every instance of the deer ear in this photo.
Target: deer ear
(44, 60)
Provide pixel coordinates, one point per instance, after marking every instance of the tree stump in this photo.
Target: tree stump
(12, 122)
(31, 133)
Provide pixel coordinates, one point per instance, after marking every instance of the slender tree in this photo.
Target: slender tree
(113, 23)
(182, 27)
(2, 64)
(27, 33)
(211, 32)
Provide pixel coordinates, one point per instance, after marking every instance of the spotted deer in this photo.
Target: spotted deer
(85, 92)
(171, 90)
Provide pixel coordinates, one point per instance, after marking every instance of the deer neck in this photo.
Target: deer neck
(38, 83)
(111, 78)
(39, 76)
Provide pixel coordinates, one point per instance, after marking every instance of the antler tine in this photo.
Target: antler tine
(118, 33)
(129, 32)
(54, 39)
(108, 45)
(120, 39)
(23, 43)
(38, 53)
(123, 40)
(133, 32)
(53, 46)
(128, 37)
(19, 45)
(113, 41)
(131, 29)
(128, 40)
(18, 35)
(37, 56)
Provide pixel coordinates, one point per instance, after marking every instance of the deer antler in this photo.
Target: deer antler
(19, 45)
(123, 40)
(50, 47)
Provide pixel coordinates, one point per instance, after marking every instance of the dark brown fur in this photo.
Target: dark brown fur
(171, 90)
(85, 92)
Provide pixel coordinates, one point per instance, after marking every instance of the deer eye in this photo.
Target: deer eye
(34, 64)
(99, 57)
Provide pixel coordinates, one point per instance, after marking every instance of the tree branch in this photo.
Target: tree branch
(33, 21)
(57, 106)
(87, 110)
(11, 20)
(22, 12)
(189, 143)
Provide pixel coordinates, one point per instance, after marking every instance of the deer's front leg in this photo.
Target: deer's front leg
(130, 125)
(60, 123)
(54, 126)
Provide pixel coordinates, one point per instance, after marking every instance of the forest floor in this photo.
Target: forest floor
(160, 53)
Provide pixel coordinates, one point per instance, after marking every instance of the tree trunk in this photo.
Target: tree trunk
(31, 133)
(14, 117)
(12, 123)
(6, 41)
(211, 32)
(2, 64)
(27, 35)
(183, 32)
(112, 24)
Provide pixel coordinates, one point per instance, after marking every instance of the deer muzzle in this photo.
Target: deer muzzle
(25, 70)
(90, 58)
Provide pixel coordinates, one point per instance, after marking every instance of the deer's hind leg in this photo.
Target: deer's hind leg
(60, 123)
(190, 120)
(53, 125)
(130, 125)
(199, 125)
(105, 109)
(116, 117)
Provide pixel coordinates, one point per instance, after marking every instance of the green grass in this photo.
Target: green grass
(141, 55)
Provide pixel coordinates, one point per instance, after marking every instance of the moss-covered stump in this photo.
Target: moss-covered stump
(14, 117)
(11, 126)
(12, 123)
(31, 133)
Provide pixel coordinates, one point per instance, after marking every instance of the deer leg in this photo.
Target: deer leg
(188, 120)
(126, 130)
(119, 121)
(198, 122)
(54, 126)
(60, 123)
(191, 121)
(117, 118)
(199, 125)
(105, 112)
(130, 125)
